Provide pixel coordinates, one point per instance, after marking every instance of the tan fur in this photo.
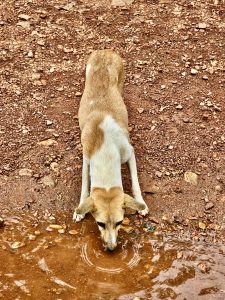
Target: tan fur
(102, 95)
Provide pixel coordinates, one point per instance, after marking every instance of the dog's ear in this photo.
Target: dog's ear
(86, 206)
(132, 203)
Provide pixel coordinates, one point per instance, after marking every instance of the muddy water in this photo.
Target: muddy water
(53, 265)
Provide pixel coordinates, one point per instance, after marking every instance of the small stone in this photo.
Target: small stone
(209, 205)
(48, 181)
(37, 232)
(35, 76)
(30, 54)
(68, 50)
(17, 245)
(1, 222)
(24, 24)
(218, 188)
(163, 86)
(121, 2)
(201, 225)
(170, 147)
(191, 177)
(140, 110)
(61, 231)
(32, 237)
(179, 254)
(126, 221)
(47, 142)
(158, 174)
(49, 122)
(151, 188)
(24, 17)
(194, 71)
(78, 94)
(202, 26)
(179, 106)
(205, 77)
(25, 172)
(73, 232)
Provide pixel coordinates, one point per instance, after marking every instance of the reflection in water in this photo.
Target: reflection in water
(64, 266)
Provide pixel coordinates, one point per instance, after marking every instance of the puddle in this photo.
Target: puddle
(37, 264)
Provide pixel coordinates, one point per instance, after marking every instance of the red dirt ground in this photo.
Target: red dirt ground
(176, 118)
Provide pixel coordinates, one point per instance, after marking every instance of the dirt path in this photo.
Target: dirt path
(175, 89)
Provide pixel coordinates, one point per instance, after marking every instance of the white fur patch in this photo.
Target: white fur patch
(105, 164)
(88, 68)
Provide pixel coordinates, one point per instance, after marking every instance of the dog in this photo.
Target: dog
(103, 120)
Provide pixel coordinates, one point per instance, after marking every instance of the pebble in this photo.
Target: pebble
(191, 177)
(48, 181)
(25, 172)
(140, 110)
(32, 237)
(49, 122)
(24, 24)
(17, 245)
(179, 106)
(205, 77)
(37, 232)
(202, 26)
(78, 94)
(158, 174)
(201, 225)
(73, 232)
(24, 17)
(47, 142)
(35, 76)
(218, 188)
(194, 71)
(30, 54)
(1, 222)
(209, 205)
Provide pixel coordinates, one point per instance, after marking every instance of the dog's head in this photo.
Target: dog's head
(108, 207)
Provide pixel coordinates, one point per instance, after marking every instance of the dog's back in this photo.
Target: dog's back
(102, 97)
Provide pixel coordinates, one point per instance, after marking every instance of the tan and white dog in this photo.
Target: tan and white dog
(103, 120)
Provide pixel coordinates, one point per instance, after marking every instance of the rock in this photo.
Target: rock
(158, 174)
(68, 6)
(194, 71)
(201, 225)
(30, 54)
(191, 177)
(202, 26)
(209, 205)
(24, 24)
(25, 172)
(47, 142)
(78, 94)
(67, 50)
(73, 232)
(121, 2)
(32, 237)
(48, 181)
(140, 110)
(37, 232)
(150, 188)
(205, 77)
(61, 230)
(218, 188)
(55, 226)
(24, 17)
(17, 245)
(35, 76)
(49, 122)
(126, 221)
(54, 166)
(1, 222)
(179, 106)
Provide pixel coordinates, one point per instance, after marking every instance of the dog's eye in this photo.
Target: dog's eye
(119, 223)
(101, 224)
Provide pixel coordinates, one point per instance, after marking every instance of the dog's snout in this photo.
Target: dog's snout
(111, 247)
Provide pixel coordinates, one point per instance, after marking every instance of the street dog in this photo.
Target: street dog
(103, 120)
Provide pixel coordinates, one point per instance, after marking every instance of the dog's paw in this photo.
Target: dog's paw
(77, 217)
(144, 212)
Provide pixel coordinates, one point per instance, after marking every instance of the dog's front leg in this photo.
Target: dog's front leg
(84, 188)
(135, 184)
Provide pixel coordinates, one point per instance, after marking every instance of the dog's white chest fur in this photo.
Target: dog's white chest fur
(105, 164)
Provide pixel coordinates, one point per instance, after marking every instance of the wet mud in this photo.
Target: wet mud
(53, 258)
